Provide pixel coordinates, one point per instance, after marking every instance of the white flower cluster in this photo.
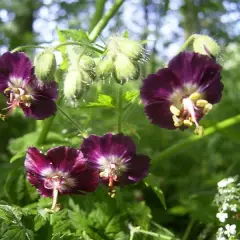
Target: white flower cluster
(226, 233)
(226, 199)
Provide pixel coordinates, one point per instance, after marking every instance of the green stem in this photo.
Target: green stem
(47, 124)
(188, 229)
(194, 138)
(99, 10)
(25, 47)
(120, 109)
(132, 235)
(148, 233)
(187, 42)
(70, 119)
(105, 19)
(79, 44)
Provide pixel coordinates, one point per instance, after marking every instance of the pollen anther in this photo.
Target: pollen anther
(177, 121)
(195, 96)
(187, 123)
(201, 103)
(174, 110)
(208, 107)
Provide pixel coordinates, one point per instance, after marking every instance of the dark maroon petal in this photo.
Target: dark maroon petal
(117, 145)
(191, 66)
(14, 65)
(212, 87)
(86, 180)
(66, 159)
(159, 113)
(158, 87)
(37, 181)
(138, 168)
(95, 147)
(90, 148)
(40, 109)
(35, 161)
(47, 90)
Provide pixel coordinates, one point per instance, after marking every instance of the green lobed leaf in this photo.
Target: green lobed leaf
(153, 182)
(10, 217)
(130, 95)
(102, 101)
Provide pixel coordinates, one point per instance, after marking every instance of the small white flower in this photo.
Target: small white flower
(225, 206)
(222, 216)
(223, 183)
(221, 238)
(230, 229)
(233, 207)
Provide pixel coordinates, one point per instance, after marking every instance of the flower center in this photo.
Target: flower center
(112, 168)
(58, 181)
(18, 97)
(192, 108)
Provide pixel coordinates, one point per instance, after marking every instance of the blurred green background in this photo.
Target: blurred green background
(188, 178)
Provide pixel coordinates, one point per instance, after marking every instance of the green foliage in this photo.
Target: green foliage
(102, 101)
(12, 226)
(184, 182)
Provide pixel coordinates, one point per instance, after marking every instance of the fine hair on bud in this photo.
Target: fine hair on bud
(125, 69)
(87, 64)
(45, 65)
(105, 68)
(206, 45)
(132, 49)
(74, 83)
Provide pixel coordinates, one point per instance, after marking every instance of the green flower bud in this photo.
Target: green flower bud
(130, 48)
(125, 69)
(206, 45)
(75, 83)
(105, 67)
(45, 65)
(87, 63)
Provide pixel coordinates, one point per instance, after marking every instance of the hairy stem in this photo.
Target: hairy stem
(54, 198)
(120, 109)
(47, 124)
(99, 10)
(187, 42)
(194, 138)
(105, 19)
(79, 44)
(69, 119)
(26, 47)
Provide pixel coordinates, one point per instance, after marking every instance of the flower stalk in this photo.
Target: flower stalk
(54, 198)
(105, 19)
(17, 49)
(120, 109)
(47, 124)
(187, 42)
(194, 138)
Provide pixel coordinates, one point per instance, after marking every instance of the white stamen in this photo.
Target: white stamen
(189, 106)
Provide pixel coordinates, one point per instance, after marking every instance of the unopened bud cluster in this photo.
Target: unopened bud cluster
(79, 77)
(122, 60)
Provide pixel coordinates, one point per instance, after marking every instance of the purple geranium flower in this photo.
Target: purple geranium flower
(181, 94)
(116, 159)
(22, 89)
(62, 170)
